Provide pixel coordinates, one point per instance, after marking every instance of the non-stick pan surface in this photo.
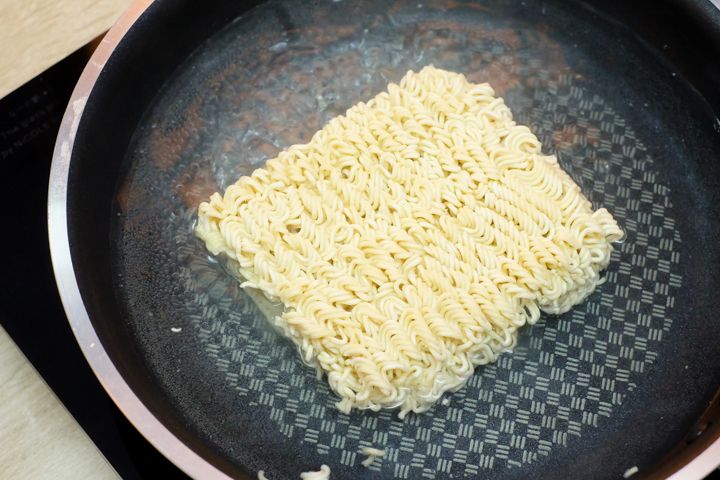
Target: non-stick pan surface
(612, 384)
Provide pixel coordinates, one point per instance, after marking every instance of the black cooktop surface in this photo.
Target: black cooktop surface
(30, 308)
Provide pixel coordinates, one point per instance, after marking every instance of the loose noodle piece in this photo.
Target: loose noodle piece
(631, 471)
(323, 474)
(372, 454)
(410, 239)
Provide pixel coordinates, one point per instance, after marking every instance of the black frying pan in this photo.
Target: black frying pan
(184, 97)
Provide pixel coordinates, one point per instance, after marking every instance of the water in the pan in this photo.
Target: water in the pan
(251, 99)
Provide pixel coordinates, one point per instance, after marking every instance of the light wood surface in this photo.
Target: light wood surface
(39, 439)
(36, 34)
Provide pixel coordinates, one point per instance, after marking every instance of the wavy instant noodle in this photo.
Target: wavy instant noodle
(410, 239)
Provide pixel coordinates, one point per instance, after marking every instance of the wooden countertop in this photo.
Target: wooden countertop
(36, 34)
(39, 439)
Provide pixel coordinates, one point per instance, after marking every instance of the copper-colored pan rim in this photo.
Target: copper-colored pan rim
(115, 385)
(103, 367)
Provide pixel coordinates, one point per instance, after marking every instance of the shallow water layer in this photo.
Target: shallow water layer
(272, 79)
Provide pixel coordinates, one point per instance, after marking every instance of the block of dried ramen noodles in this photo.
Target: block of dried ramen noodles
(410, 239)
